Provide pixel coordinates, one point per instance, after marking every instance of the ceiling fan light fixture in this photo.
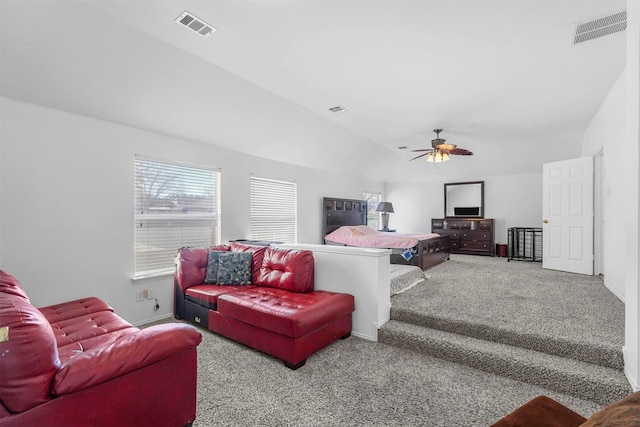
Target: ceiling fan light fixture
(437, 157)
(440, 150)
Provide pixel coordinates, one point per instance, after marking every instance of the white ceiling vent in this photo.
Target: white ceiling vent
(600, 27)
(194, 23)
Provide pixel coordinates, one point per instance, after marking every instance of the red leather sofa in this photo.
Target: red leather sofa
(80, 364)
(278, 312)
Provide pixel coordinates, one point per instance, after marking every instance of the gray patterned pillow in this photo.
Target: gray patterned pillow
(234, 268)
(212, 267)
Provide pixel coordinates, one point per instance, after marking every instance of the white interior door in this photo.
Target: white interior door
(567, 209)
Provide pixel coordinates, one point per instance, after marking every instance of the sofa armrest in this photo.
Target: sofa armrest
(127, 354)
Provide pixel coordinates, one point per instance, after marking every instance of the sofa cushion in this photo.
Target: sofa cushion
(29, 359)
(287, 269)
(75, 308)
(234, 268)
(83, 333)
(287, 313)
(191, 265)
(257, 256)
(207, 295)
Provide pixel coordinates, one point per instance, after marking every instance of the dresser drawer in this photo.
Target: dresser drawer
(485, 225)
(475, 245)
(453, 224)
(484, 236)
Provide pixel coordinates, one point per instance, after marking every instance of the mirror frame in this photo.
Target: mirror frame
(481, 213)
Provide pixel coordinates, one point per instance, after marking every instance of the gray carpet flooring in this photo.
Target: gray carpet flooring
(520, 296)
(557, 330)
(355, 382)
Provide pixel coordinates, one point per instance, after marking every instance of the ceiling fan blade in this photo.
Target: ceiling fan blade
(460, 152)
(422, 149)
(421, 155)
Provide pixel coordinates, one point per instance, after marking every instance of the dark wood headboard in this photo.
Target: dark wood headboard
(338, 212)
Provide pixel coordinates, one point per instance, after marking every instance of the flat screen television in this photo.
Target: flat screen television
(474, 211)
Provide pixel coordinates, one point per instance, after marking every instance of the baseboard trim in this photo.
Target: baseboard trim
(613, 290)
(364, 336)
(153, 319)
(632, 381)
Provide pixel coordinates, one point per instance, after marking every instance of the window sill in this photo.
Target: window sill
(151, 276)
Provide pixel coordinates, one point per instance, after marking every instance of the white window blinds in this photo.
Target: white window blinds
(273, 210)
(175, 205)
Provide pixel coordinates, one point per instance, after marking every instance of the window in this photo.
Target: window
(273, 210)
(373, 217)
(175, 205)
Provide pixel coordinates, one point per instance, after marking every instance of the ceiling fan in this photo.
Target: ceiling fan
(441, 150)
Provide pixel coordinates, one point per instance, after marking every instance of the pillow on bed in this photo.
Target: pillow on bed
(351, 230)
(363, 230)
(355, 232)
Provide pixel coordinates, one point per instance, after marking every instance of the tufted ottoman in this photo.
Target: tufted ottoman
(288, 325)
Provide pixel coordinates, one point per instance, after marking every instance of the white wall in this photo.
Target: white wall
(607, 132)
(512, 200)
(632, 288)
(66, 200)
(615, 128)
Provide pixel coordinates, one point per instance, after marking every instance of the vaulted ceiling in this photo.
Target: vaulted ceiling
(502, 78)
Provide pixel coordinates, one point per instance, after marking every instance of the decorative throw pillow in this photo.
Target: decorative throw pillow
(212, 267)
(257, 254)
(234, 268)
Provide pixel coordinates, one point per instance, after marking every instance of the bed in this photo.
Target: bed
(344, 223)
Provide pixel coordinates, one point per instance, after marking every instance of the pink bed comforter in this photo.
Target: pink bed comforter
(366, 237)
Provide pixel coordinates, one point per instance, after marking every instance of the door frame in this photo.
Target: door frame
(598, 214)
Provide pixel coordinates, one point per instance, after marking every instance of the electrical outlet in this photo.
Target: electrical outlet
(141, 295)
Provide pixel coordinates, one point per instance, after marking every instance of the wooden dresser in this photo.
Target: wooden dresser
(475, 236)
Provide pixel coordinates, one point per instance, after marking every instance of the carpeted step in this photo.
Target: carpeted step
(586, 381)
(594, 351)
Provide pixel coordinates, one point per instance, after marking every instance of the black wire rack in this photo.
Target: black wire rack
(525, 244)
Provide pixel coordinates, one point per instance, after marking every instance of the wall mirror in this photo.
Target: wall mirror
(464, 199)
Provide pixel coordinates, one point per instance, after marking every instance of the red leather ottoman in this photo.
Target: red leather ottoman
(288, 325)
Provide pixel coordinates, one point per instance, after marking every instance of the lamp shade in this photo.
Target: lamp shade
(437, 157)
(385, 207)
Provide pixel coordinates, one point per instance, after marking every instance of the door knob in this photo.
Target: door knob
(546, 221)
